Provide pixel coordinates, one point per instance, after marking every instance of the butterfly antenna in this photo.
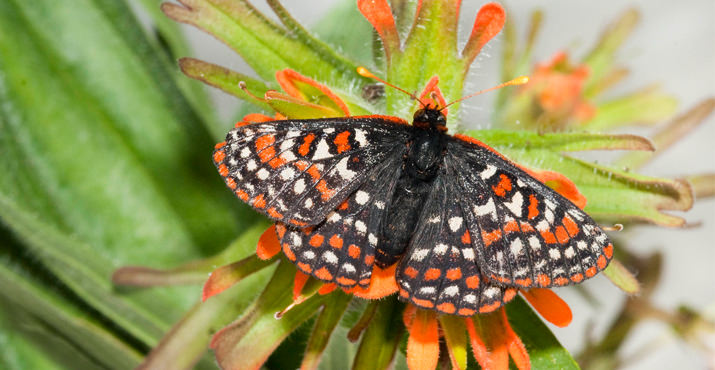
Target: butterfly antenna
(362, 71)
(517, 81)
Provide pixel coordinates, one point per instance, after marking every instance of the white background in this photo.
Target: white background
(674, 44)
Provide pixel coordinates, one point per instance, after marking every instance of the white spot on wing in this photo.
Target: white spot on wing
(360, 137)
(554, 254)
(420, 254)
(330, 257)
(487, 209)
(515, 206)
(343, 170)
(322, 150)
(455, 223)
(299, 186)
(488, 172)
(516, 247)
(360, 227)
(440, 249)
(361, 197)
(451, 290)
(468, 254)
(262, 174)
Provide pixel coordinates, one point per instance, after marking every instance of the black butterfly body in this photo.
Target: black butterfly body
(466, 226)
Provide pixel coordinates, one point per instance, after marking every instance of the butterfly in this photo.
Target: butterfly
(466, 226)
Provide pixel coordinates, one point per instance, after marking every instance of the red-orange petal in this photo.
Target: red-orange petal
(379, 14)
(268, 245)
(490, 20)
(549, 305)
(516, 347)
(299, 283)
(257, 117)
(423, 343)
(327, 288)
(560, 183)
(382, 284)
(287, 78)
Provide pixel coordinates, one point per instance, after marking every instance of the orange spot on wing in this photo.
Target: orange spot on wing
(298, 222)
(511, 226)
(345, 281)
(343, 206)
(561, 280)
(301, 165)
(316, 240)
(341, 140)
(491, 237)
(411, 272)
(323, 274)
(354, 251)
(527, 228)
(454, 274)
(325, 192)
(288, 252)
(423, 302)
(503, 186)
(472, 282)
(549, 237)
(336, 242)
(223, 170)
(259, 202)
(314, 172)
(601, 262)
(608, 251)
(274, 213)
(219, 145)
(264, 142)
(305, 267)
(523, 282)
(577, 278)
(369, 259)
(509, 294)
(533, 207)
(242, 195)
(231, 183)
(276, 162)
(446, 307)
(489, 307)
(466, 238)
(304, 148)
(219, 155)
(570, 225)
(561, 235)
(432, 274)
(591, 271)
(543, 280)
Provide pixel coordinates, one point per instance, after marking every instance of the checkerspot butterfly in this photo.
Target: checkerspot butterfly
(466, 226)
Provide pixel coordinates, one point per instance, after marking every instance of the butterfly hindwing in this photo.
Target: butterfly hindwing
(297, 171)
(341, 249)
(525, 233)
(439, 270)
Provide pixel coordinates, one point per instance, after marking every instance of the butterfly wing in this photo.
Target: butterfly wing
(297, 171)
(525, 234)
(341, 249)
(440, 270)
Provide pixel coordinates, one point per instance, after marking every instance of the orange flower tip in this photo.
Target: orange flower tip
(615, 227)
(549, 305)
(521, 80)
(268, 245)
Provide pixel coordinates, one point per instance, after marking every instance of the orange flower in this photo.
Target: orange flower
(558, 88)
(491, 337)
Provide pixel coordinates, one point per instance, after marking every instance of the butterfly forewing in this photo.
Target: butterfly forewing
(341, 249)
(298, 171)
(439, 270)
(525, 233)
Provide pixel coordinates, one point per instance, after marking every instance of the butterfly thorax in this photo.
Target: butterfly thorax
(421, 165)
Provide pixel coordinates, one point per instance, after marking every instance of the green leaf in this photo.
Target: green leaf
(645, 107)
(544, 349)
(330, 315)
(562, 141)
(236, 345)
(188, 340)
(261, 42)
(382, 338)
(621, 277)
(455, 335)
(29, 302)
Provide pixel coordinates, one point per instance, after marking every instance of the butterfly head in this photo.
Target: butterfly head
(430, 118)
